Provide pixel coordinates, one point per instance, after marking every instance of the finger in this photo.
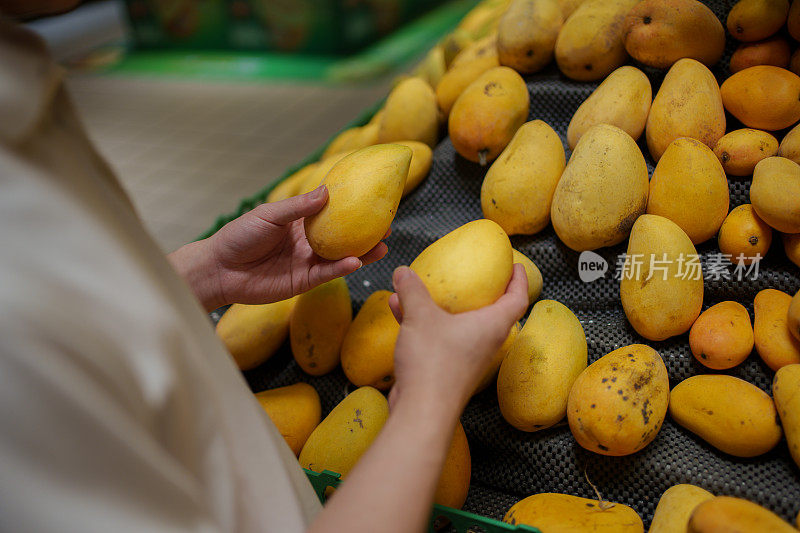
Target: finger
(294, 208)
(325, 271)
(394, 305)
(414, 297)
(512, 304)
(379, 252)
(388, 232)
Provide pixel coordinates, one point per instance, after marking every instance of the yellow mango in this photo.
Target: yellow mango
(315, 176)
(660, 32)
(346, 433)
(722, 336)
(466, 68)
(602, 191)
(790, 145)
(453, 484)
(295, 410)
(491, 373)
(661, 290)
(291, 185)
(688, 104)
(774, 342)
(536, 376)
(535, 281)
(452, 45)
(740, 150)
(591, 42)
(727, 412)
(564, 513)
(421, 159)
(432, 67)
(253, 333)
(773, 51)
(368, 346)
(518, 188)
(526, 34)
(675, 507)
(726, 513)
(468, 268)
(785, 387)
(318, 325)
(744, 236)
(763, 97)
(622, 100)
(488, 114)
(793, 316)
(568, 7)
(410, 114)
(344, 141)
(791, 245)
(483, 18)
(753, 20)
(364, 190)
(617, 405)
(775, 193)
(687, 177)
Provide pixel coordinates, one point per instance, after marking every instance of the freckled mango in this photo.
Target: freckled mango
(722, 336)
(740, 150)
(564, 513)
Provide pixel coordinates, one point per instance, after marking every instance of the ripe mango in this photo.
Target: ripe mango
(726, 513)
(526, 34)
(688, 104)
(518, 188)
(773, 51)
(368, 346)
(775, 193)
(675, 507)
(491, 373)
(793, 21)
(410, 114)
(753, 20)
(660, 32)
(468, 268)
(253, 333)
(591, 42)
(315, 176)
(534, 275)
(722, 336)
(602, 191)
(291, 185)
(453, 484)
(318, 325)
(344, 141)
(466, 68)
(689, 175)
(787, 401)
(488, 114)
(346, 433)
(536, 376)
(295, 410)
(774, 342)
(453, 44)
(563, 513)
(790, 145)
(793, 316)
(364, 190)
(622, 100)
(744, 236)
(617, 405)
(791, 245)
(568, 7)
(764, 97)
(661, 292)
(740, 150)
(421, 159)
(727, 412)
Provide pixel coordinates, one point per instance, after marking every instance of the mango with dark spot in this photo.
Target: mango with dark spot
(526, 34)
(744, 236)
(714, 406)
(467, 66)
(740, 150)
(564, 513)
(594, 410)
(753, 20)
(722, 336)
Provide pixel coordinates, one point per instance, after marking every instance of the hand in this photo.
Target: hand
(440, 357)
(263, 256)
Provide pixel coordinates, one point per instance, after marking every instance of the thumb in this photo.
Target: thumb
(294, 208)
(413, 296)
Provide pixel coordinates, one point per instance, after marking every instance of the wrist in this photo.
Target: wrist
(195, 263)
(438, 404)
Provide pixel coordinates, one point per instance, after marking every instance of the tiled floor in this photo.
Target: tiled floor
(189, 151)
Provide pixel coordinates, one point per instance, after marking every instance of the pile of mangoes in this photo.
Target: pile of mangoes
(471, 84)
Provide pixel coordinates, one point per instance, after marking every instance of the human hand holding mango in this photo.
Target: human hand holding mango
(436, 347)
(263, 256)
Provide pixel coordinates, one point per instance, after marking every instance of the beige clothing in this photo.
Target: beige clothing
(119, 408)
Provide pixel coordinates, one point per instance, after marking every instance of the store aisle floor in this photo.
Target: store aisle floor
(189, 151)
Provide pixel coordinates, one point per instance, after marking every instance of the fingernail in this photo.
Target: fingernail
(360, 264)
(318, 192)
(400, 273)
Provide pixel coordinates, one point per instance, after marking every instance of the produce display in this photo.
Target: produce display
(639, 159)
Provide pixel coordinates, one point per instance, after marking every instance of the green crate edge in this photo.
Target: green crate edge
(461, 520)
(260, 197)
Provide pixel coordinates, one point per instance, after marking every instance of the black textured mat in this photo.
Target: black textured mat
(508, 464)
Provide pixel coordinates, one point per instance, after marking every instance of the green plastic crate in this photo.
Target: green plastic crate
(461, 521)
